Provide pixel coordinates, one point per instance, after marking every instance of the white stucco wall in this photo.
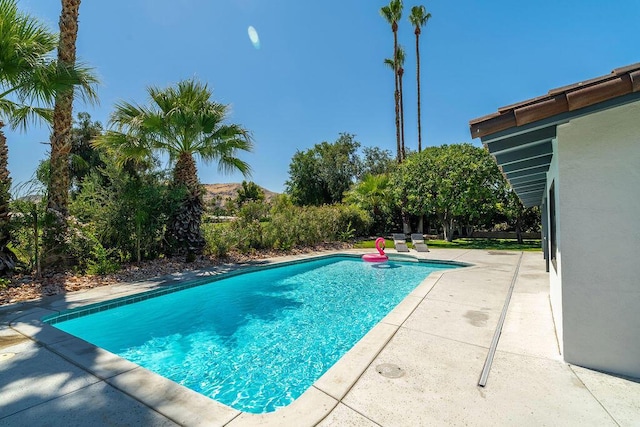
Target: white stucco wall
(598, 210)
(555, 288)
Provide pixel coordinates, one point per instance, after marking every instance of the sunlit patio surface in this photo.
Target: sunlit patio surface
(419, 366)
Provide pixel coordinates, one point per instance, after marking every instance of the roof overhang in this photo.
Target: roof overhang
(520, 136)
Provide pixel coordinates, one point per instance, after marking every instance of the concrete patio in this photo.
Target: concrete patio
(436, 341)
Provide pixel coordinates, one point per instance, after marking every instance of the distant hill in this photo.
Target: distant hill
(229, 191)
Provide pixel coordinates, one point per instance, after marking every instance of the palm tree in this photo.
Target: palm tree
(58, 195)
(392, 14)
(397, 67)
(418, 18)
(372, 194)
(400, 70)
(29, 81)
(182, 122)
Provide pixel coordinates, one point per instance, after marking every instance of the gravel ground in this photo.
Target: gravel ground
(28, 287)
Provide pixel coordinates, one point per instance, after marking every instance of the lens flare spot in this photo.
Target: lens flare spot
(253, 36)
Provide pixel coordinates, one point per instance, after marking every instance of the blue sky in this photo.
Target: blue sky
(319, 70)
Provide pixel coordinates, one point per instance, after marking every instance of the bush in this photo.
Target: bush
(128, 210)
(27, 222)
(217, 238)
(100, 261)
(286, 226)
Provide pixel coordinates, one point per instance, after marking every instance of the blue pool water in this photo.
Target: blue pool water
(255, 341)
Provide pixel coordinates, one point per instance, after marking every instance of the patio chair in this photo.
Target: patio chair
(400, 242)
(418, 243)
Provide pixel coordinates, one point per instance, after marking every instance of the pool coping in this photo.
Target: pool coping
(186, 406)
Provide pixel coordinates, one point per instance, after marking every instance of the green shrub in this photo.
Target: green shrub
(128, 210)
(100, 262)
(27, 222)
(217, 238)
(311, 225)
(285, 226)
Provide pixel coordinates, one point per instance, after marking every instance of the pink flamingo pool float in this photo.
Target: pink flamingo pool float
(380, 256)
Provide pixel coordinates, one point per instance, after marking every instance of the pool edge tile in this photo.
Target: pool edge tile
(427, 284)
(95, 360)
(402, 311)
(339, 379)
(30, 325)
(176, 402)
(307, 410)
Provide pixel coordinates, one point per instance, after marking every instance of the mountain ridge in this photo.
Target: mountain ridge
(229, 191)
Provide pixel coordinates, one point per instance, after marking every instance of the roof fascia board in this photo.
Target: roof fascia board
(561, 118)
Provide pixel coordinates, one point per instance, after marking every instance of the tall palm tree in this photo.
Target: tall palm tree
(29, 81)
(392, 14)
(419, 18)
(182, 122)
(400, 70)
(397, 66)
(58, 195)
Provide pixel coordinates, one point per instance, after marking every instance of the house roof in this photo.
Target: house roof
(519, 135)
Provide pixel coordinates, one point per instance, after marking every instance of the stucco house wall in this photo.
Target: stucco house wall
(582, 141)
(596, 166)
(555, 270)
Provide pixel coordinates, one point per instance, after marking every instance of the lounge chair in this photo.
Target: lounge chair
(400, 242)
(418, 243)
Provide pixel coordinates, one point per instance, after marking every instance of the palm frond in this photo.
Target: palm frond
(30, 77)
(390, 63)
(399, 62)
(124, 147)
(22, 115)
(181, 119)
(419, 17)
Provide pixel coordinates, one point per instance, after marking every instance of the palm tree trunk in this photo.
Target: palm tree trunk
(184, 234)
(400, 74)
(418, 81)
(58, 194)
(397, 92)
(185, 172)
(62, 114)
(7, 257)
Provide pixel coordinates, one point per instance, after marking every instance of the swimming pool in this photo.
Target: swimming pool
(253, 341)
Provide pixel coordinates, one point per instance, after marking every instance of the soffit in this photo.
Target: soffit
(519, 136)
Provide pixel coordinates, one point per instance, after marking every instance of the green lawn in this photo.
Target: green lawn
(489, 244)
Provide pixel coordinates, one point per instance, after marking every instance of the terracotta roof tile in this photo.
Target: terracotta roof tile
(619, 82)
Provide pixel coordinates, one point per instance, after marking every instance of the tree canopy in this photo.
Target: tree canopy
(452, 182)
(249, 192)
(323, 173)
